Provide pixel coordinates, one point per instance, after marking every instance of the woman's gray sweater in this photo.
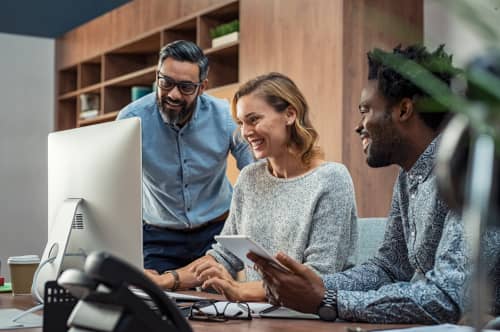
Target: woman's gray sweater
(312, 218)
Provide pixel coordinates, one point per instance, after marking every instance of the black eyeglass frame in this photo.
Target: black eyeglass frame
(196, 312)
(181, 85)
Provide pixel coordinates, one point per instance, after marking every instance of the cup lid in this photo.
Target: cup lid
(26, 259)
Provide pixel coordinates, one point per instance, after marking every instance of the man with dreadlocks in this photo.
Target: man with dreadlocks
(420, 272)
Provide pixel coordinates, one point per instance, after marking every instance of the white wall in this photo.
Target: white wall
(444, 25)
(26, 117)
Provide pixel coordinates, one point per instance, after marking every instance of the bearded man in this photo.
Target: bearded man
(186, 138)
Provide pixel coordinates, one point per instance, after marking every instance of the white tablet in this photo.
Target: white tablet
(241, 245)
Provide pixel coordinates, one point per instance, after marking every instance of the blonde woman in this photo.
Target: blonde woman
(291, 200)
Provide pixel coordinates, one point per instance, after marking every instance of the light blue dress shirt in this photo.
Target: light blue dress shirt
(184, 169)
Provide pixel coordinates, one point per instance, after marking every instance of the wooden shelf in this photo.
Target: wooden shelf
(141, 77)
(66, 117)
(224, 64)
(68, 95)
(224, 92)
(117, 65)
(112, 73)
(68, 80)
(89, 72)
(185, 30)
(143, 45)
(99, 119)
(90, 89)
(144, 76)
(223, 50)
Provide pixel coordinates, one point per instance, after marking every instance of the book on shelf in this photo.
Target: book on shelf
(89, 114)
(137, 92)
(89, 101)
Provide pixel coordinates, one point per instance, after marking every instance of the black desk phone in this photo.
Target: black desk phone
(106, 302)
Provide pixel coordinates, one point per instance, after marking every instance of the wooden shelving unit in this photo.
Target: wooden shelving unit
(103, 118)
(89, 72)
(112, 74)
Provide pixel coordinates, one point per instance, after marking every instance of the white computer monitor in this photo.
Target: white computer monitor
(94, 196)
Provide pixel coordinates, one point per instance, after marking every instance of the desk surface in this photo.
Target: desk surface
(257, 324)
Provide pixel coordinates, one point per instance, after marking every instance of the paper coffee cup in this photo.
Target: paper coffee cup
(22, 269)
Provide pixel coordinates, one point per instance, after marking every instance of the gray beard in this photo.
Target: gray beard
(173, 117)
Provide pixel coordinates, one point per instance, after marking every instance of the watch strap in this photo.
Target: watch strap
(330, 298)
(177, 280)
(328, 308)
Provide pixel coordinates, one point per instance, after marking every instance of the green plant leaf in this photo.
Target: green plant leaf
(224, 29)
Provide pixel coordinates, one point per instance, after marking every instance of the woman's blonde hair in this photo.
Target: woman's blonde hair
(280, 92)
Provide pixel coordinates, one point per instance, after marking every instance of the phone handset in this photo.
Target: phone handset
(104, 290)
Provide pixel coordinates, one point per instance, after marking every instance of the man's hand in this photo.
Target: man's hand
(187, 278)
(157, 278)
(301, 289)
(150, 272)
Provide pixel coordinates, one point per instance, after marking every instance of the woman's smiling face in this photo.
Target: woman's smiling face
(265, 129)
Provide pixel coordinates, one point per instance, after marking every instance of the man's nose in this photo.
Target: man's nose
(359, 127)
(175, 93)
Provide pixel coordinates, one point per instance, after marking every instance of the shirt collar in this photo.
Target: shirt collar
(425, 163)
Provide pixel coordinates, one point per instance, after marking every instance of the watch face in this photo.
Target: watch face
(327, 312)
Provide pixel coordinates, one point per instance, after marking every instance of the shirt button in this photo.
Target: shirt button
(182, 134)
(412, 195)
(185, 186)
(189, 209)
(185, 161)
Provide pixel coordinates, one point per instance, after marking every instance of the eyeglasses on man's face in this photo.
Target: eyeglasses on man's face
(208, 311)
(185, 87)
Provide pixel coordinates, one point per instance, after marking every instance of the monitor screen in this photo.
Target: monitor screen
(95, 170)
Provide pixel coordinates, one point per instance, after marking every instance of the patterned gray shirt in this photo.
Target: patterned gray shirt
(420, 272)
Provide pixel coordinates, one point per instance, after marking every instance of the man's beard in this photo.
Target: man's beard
(380, 154)
(175, 117)
(386, 148)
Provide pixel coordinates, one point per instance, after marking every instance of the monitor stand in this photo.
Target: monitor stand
(57, 242)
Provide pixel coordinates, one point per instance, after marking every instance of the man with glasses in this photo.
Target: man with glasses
(186, 138)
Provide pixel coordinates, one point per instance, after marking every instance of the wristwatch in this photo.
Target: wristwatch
(328, 308)
(177, 280)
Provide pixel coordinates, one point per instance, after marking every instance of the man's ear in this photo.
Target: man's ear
(406, 108)
(203, 86)
(291, 115)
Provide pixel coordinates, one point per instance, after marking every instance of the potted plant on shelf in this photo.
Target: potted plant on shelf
(225, 33)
